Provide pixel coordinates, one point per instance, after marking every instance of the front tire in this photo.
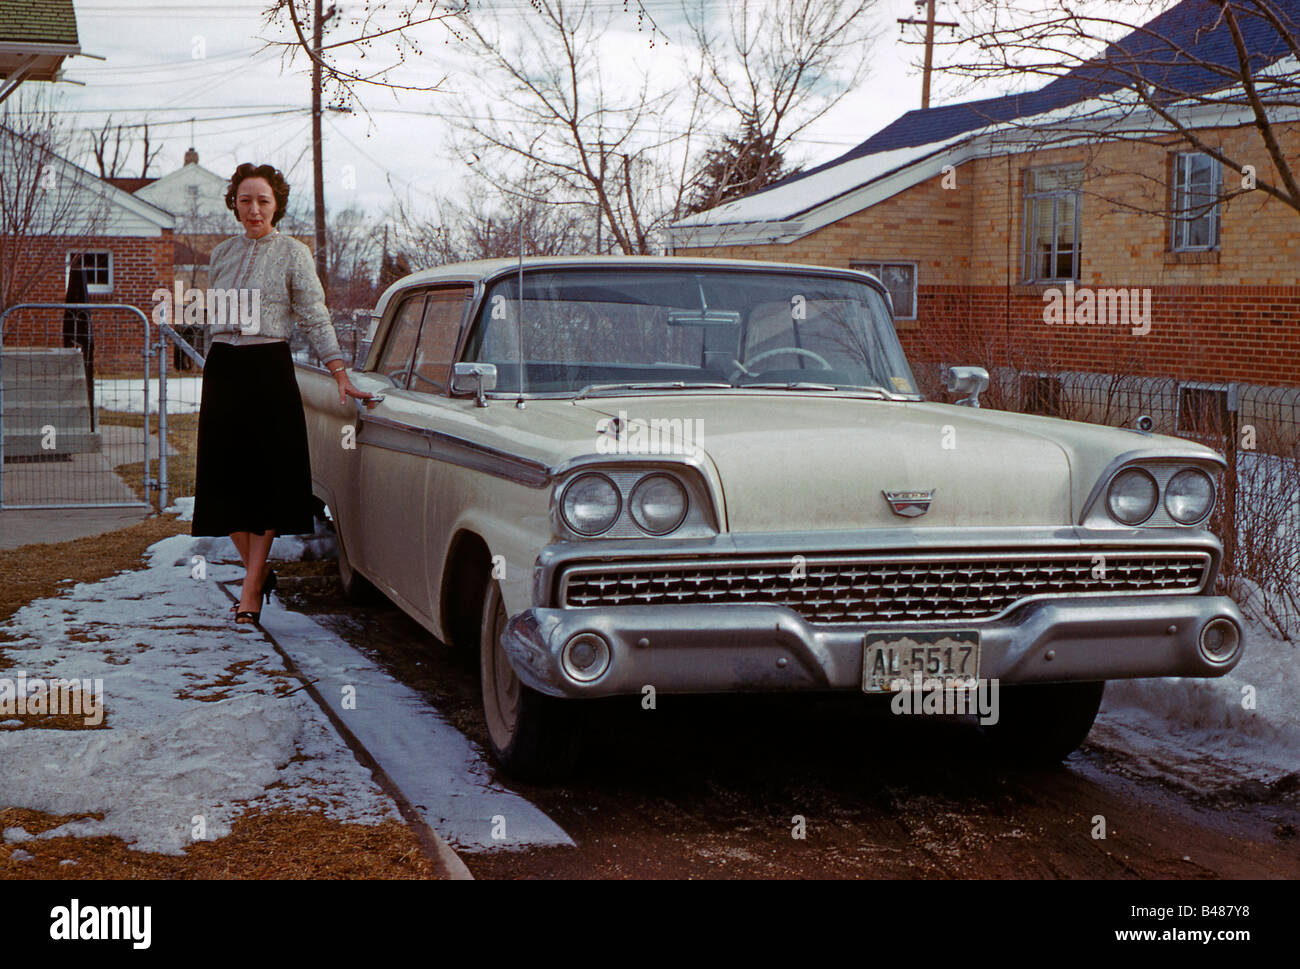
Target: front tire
(1041, 724)
(532, 736)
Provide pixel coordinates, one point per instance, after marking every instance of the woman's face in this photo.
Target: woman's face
(255, 205)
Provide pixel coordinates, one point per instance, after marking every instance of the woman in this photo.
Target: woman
(253, 476)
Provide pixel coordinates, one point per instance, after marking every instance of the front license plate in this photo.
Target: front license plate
(952, 655)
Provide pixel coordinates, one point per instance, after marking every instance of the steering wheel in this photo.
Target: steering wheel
(740, 367)
(405, 376)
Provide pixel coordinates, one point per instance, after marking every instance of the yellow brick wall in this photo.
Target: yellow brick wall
(970, 235)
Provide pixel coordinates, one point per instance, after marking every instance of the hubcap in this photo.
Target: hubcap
(502, 688)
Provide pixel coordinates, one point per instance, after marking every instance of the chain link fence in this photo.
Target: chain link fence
(1255, 428)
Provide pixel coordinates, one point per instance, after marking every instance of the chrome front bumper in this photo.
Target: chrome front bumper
(738, 648)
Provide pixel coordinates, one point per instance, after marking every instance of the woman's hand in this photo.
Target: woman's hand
(346, 388)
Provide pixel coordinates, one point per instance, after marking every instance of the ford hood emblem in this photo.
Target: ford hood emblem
(909, 504)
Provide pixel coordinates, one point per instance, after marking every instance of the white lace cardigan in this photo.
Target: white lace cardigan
(282, 271)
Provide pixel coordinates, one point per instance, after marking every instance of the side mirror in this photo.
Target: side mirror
(474, 378)
(971, 381)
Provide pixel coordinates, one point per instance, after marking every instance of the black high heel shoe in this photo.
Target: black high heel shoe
(252, 618)
(269, 585)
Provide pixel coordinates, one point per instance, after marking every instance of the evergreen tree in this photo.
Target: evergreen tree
(738, 166)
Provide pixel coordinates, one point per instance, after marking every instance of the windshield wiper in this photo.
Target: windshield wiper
(809, 385)
(652, 385)
(789, 385)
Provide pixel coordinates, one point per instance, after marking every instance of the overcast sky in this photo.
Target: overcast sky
(167, 62)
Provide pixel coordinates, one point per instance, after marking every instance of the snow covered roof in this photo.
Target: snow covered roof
(1171, 50)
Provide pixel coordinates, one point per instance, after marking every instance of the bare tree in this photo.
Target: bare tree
(350, 258)
(48, 206)
(774, 68)
(389, 34)
(566, 135)
(1136, 76)
(111, 147)
(483, 227)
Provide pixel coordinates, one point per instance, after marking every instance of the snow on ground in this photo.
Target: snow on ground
(161, 640)
(1199, 734)
(127, 394)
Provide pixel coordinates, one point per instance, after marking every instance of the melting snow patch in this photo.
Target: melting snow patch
(194, 728)
(1210, 735)
(197, 727)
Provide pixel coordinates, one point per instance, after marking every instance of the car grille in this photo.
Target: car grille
(881, 589)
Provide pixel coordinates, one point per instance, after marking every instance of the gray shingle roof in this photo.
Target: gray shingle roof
(38, 21)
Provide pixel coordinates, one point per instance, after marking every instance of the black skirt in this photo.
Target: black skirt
(253, 471)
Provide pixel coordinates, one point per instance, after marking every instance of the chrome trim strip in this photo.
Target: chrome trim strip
(722, 562)
(459, 451)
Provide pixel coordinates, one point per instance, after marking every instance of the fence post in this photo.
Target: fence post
(162, 420)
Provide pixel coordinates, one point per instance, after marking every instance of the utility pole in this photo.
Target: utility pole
(929, 23)
(317, 162)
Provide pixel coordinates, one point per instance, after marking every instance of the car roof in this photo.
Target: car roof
(484, 269)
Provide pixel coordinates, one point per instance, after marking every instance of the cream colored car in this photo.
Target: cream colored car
(663, 475)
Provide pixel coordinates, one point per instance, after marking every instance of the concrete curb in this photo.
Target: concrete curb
(446, 862)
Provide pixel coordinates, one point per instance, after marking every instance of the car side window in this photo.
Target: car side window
(399, 347)
(444, 310)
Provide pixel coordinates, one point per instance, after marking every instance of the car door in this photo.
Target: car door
(394, 444)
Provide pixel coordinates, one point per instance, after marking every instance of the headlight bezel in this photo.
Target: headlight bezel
(1096, 511)
(701, 518)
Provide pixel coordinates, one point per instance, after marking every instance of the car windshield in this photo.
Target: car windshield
(594, 330)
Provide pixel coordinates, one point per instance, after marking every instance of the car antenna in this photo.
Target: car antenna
(519, 335)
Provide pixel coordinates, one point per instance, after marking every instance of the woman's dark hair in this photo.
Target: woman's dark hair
(279, 187)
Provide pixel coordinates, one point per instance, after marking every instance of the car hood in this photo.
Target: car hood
(789, 462)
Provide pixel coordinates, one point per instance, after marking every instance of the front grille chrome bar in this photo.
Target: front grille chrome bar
(854, 589)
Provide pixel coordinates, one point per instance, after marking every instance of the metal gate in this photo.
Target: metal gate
(74, 431)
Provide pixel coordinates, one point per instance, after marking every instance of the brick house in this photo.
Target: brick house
(123, 243)
(986, 219)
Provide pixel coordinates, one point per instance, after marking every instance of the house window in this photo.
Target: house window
(1052, 205)
(1194, 219)
(900, 279)
(1042, 394)
(98, 269)
(1207, 410)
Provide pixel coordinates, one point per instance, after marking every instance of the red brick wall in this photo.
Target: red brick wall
(140, 266)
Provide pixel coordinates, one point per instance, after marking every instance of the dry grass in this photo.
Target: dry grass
(36, 571)
(182, 432)
(262, 844)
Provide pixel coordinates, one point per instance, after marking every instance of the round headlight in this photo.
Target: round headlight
(658, 504)
(1132, 496)
(590, 504)
(1189, 496)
